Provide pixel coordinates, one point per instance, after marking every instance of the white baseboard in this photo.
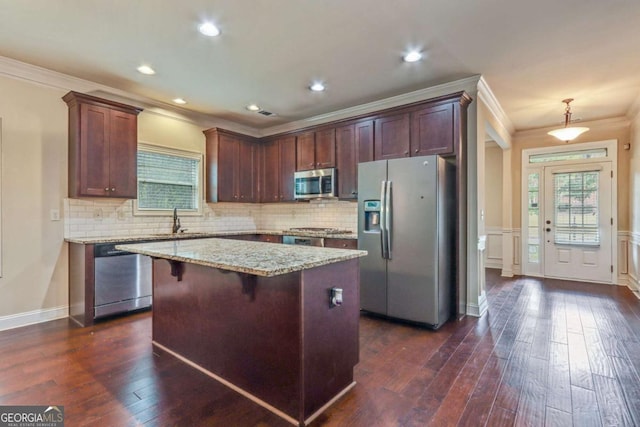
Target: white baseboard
(32, 317)
(479, 309)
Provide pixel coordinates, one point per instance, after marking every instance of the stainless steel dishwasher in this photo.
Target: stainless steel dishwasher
(122, 280)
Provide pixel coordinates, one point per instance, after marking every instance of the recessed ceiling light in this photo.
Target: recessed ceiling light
(179, 101)
(253, 107)
(209, 29)
(145, 69)
(412, 56)
(317, 87)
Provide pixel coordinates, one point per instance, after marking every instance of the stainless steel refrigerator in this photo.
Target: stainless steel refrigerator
(406, 220)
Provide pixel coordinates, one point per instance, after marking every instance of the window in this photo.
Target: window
(168, 179)
(576, 208)
(594, 153)
(533, 243)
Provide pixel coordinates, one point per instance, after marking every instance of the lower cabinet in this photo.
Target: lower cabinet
(341, 243)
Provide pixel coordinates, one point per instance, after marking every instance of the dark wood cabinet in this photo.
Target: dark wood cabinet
(103, 145)
(341, 243)
(364, 141)
(316, 150)
(305, 151)
(354, 144)
(269, 238)
(432, 130)
(231, 161)
(279, 165)
(392, 137)
(347, 161)
(325, 148)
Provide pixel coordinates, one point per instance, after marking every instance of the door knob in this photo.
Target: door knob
(548, 230)
(548, 222)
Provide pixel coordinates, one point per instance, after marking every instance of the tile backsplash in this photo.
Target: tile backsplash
(114, 217)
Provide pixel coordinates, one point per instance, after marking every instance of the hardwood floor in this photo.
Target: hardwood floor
(547, 353)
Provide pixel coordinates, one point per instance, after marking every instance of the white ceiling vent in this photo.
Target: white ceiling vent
(266, 113)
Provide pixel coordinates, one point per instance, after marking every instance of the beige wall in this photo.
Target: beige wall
(493, 185)
(160, 130)
(34, 181)
(634, 175)
(634, 206)
(604, 131)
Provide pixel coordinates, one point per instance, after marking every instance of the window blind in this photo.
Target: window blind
(576, 208)
(167, 181)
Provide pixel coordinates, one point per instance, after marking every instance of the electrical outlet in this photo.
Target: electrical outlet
(54, 214)
(97, 213)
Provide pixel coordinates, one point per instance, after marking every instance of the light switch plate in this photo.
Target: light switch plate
(54, 214)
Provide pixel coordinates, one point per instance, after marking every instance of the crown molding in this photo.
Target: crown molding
(486, 95)
(469, 85)
(634, 110)
(14, 69)
(42, 76)
(609, 124)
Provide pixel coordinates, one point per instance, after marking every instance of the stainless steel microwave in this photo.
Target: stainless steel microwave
(315, 184)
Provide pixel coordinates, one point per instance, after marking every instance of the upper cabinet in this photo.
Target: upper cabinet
(392, 137)
(103, 141)
(432, 130)
(232, 161)
(279, 165)
(354, 144)
(242, 169)
(316, 150)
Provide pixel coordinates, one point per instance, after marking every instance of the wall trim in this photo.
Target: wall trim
(32, 317)
(486, 95)
(477, 310)
(494, 256)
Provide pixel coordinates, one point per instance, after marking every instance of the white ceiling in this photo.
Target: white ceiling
(531, 53)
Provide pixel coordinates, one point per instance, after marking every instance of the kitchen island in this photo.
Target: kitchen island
(260, 318)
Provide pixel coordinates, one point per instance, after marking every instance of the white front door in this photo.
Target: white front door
(578, 224)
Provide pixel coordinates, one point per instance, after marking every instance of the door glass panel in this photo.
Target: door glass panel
(576, 208)
(533, 242)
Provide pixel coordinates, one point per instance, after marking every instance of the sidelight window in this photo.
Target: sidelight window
(533, 241)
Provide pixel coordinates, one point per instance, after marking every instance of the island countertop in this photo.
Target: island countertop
(258, 258)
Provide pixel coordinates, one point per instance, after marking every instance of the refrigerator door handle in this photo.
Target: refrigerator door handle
(387, 217)
(383, 216)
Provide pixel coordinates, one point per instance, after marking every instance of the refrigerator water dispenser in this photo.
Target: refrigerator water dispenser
(372, 216)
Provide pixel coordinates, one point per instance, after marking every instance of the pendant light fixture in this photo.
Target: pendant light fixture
(567, 133)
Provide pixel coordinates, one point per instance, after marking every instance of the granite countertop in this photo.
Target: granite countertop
(259, 258)
(198, 235)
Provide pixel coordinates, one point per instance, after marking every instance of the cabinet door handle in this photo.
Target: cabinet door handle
(406, 152)
(113, 188)
(416, 150)
(106, 189)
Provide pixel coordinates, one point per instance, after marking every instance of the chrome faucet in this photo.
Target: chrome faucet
(176, 221)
